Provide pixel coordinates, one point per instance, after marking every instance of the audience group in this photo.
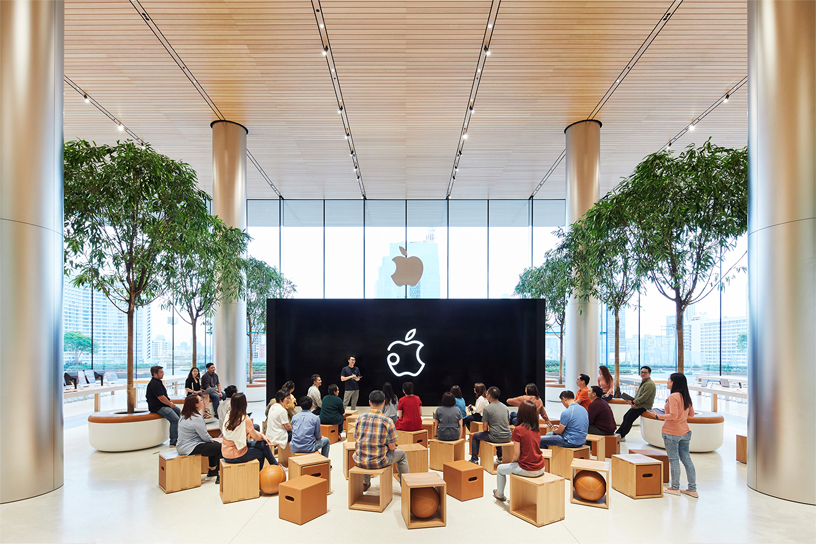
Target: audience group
(586, 411)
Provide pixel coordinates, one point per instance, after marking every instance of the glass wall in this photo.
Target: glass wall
(467, 249)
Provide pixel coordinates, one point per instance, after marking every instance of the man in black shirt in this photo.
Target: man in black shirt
(350, 375)
(158, 403)
(212, 386)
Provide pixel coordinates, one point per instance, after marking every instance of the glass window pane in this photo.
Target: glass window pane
(263, 225)
(735, 311)
(384, 235)
(548, 217)
(344, 249)
(428, 240)
(302, 246)
(510, 249)
(657, 329)
(468, 249)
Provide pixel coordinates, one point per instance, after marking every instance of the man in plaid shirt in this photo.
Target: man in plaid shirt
(377, 439)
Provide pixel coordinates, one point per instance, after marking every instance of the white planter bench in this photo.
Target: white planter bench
(619, 409)
(256, 392)
(552, 390)
(119, 431)
(706, 431)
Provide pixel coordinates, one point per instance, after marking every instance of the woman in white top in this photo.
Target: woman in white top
(278, 428)
(481, 401)
(238, 430)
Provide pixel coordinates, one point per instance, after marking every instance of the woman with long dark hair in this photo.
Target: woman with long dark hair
(677, 435)
(193, 438)
(242, 442)
(607, 383)
(390, 406)
(527, 458)
(456, 391)
(193, 382)
(531, 394)
(475, 412)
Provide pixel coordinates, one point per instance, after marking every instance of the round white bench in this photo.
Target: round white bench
(256, 392)
(119, 431)
(706, 431)
(552, 390)
(619, 409)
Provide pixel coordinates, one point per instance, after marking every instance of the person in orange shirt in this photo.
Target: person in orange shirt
(582, 396)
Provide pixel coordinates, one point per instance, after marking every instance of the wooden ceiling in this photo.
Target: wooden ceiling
(406, 69)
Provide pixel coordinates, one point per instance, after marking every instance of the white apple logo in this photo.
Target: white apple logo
(409, 269)
(394, 359)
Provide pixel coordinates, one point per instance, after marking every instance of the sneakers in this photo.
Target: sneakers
(211, 473)
(366, 487)
(474, 459)
(217, 478)
(623, 439)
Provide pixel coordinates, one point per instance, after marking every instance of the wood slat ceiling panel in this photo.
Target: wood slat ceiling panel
(406, 69)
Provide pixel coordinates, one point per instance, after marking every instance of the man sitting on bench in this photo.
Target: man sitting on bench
(158, 403)
(572, 431)
(601, 418)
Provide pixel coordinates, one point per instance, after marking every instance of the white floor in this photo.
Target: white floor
(115, 498)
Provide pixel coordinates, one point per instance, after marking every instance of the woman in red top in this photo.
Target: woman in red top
(527, 458)
(409, 412)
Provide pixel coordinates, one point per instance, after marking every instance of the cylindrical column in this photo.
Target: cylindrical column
(31, 198)
(583, 161)
(229, 203)
(782, 248)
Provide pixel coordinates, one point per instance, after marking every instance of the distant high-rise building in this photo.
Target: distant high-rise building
(428, 286)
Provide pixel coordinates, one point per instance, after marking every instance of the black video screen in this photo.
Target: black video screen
(433, 343)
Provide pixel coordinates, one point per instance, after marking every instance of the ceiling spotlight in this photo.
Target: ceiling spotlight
(87, 100)
(456, 169)
(464, 135)
(669, 146)
(325, 50)
(478, 70)
(691, 126)
(489, 25)
(459, 152)
(345, 137)
(121, 127)
(332, 70)
(727, 96)
(487, 50)
(340, 109)
(617, 81)
(321, 25)
(352, 153)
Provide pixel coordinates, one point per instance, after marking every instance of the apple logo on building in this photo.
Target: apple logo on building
(409, 269)
(394, 359)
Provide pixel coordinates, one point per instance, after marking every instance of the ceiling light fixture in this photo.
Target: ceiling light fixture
(691, 126)
(321, 26)
(87, 100)
(489, 26)
(325, 50)
(727, 96)
(121, 127)
(487, 50)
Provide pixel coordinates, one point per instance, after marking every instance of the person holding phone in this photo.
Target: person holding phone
(350, 376)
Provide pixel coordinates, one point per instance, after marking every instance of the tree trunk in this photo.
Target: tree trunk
(131, 392)
(679, 325)
(561, 356)
(195, 347)
(617, 392)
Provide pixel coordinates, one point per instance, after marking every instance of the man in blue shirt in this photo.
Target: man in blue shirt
(306, 431)
(572, 431)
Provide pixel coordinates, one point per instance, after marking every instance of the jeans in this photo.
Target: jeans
(628, 419)
(172, 415)
(216, 398)
(211, 450)
(473, 417)
(513, 418)
(391, 457)
(557, 440)
(350, 398)
(677, 448)
(475, 444)
(502, 471)
(323, 444)
(255, 450)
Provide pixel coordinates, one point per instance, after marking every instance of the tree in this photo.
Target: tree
(124, 207)
(76, 343)
(206, 270)
(603, 263)
(549, 281)
(742, 342)
(686, 212)
(262, 282)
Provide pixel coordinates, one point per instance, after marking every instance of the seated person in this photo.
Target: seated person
(212, 386)
(582, 396)
(449, 417)
(332, 409)
(159, 403)
(278, 428)
(644, 400)
(193, 383)
(377, 440)
(223, 408)
(409, 410)
(531, 394)
(456, 391)
(527, 458)
(391, 402)
(290, 387)
(601, 418)
(607, 383)
(475, 412)
(306, 431)
(193, 438)
(496, 419)
(572, 431)
(241, 442)
(314, 394)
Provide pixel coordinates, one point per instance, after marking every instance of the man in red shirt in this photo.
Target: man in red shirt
(582, 396)
(601, 418)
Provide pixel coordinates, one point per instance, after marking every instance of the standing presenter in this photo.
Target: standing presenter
(350, 376)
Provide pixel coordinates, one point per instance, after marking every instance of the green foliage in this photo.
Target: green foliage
(742, 342)
(78, 343)
(125, 206)
(206, 270)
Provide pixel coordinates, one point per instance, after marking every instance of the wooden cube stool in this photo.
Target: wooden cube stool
(412, 437)
(417, 456)
(547, 455)
(637, 476)
(486, 450)
(302, 499)
(348, 414)
(350, 422)
(348, 457)
(371, 503)
(284, 454)
(429, 426)
(475, 427)
(539, 500)
(311, 464)
(742, 448)
(465, 480)
(179, 472)
(562, 458)
(205, 464)
(330, 432)
(240, 482)
(445, 452)
(602, 468)
(660, 456)
(609, 443)
(411, 483)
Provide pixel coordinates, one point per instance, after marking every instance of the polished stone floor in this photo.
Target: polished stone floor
(115, 498)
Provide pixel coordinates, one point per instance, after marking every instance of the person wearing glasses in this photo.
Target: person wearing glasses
(644, 399)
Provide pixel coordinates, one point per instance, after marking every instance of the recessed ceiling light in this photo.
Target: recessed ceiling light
(121, 127)
(489, 25)
(478, 70)
(321, 25)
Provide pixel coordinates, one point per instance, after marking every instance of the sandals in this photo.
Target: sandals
(690, 493)
(496, 496)
(671, 491)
